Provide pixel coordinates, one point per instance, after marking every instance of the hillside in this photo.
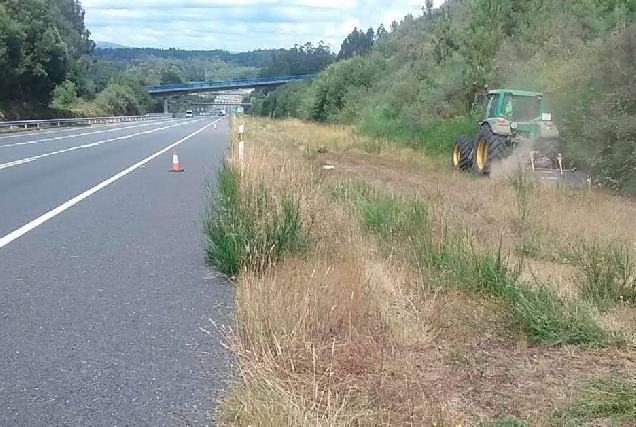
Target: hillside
(416, 84)
(109, 45)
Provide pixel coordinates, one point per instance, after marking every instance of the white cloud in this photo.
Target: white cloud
(238, 25)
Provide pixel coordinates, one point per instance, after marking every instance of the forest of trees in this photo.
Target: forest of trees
(257, 58)
(415, 82)
(44, 44)
(50, 67)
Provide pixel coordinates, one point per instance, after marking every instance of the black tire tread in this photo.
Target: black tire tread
(465, 143)
(497, 149)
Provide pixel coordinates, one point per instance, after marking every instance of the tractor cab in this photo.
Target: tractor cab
(517, 115)
(522, 108)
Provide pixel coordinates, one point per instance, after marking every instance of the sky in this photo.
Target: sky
(238, 25)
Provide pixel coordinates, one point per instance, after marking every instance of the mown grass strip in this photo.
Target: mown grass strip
(403, 227)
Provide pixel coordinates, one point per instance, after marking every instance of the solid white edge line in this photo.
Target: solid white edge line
(58, 210)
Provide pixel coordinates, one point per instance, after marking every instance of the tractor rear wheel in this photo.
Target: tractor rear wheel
(460, 158)
(488, 147)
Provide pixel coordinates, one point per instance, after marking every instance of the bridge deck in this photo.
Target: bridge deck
(225, 84)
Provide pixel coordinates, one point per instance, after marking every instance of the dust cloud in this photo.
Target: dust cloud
(518, 161)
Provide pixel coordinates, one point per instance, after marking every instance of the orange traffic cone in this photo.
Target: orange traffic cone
(176, 166)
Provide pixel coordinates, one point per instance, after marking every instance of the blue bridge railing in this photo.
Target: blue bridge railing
(247, 82)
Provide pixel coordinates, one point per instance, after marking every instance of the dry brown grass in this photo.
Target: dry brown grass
(351, 337)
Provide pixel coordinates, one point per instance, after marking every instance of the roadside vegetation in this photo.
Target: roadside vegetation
(390, 290)
(397, 292)
(415, 82)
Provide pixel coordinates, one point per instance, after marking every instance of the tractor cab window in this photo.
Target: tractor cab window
(491, 108)
(521, 108)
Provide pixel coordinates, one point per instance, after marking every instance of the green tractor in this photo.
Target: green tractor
(514, 123)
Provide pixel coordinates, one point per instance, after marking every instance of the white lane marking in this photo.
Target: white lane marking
(78, 147)
(19, 134)
(58, 138)
(61, 208)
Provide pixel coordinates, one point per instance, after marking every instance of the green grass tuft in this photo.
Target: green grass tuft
(607, 275)
(612, 398)
(389, 216)
(248, 227)
(504, 422)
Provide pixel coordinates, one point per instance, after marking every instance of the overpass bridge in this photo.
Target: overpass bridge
(229, 104)
(211, 86)
(220, 85)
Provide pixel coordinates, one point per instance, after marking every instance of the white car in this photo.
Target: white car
(188, 113)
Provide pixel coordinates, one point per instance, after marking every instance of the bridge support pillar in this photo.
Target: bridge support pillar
(165, 105)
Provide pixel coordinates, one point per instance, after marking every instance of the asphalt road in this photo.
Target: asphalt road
(109, 314)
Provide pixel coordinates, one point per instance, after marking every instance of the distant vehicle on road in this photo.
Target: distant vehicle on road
(188, 113)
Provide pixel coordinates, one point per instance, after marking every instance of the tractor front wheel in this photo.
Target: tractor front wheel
(488, 147)
(460, 158)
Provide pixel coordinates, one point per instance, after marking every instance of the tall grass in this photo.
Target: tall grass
(389, 216)
(606, 273)
(433, 138)
(246, 227)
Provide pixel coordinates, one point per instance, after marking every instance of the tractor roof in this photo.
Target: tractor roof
(515, 92)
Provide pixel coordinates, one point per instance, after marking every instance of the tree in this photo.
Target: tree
(169, 77)
(43, 43)
(357, 43)
(300, 59)
(429, 8)
(380, 32)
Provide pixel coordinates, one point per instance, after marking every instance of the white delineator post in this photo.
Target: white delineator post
(241, 129)
(241, 147)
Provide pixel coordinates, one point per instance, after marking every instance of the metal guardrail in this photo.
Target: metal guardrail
(253, 81)
(75, 121)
